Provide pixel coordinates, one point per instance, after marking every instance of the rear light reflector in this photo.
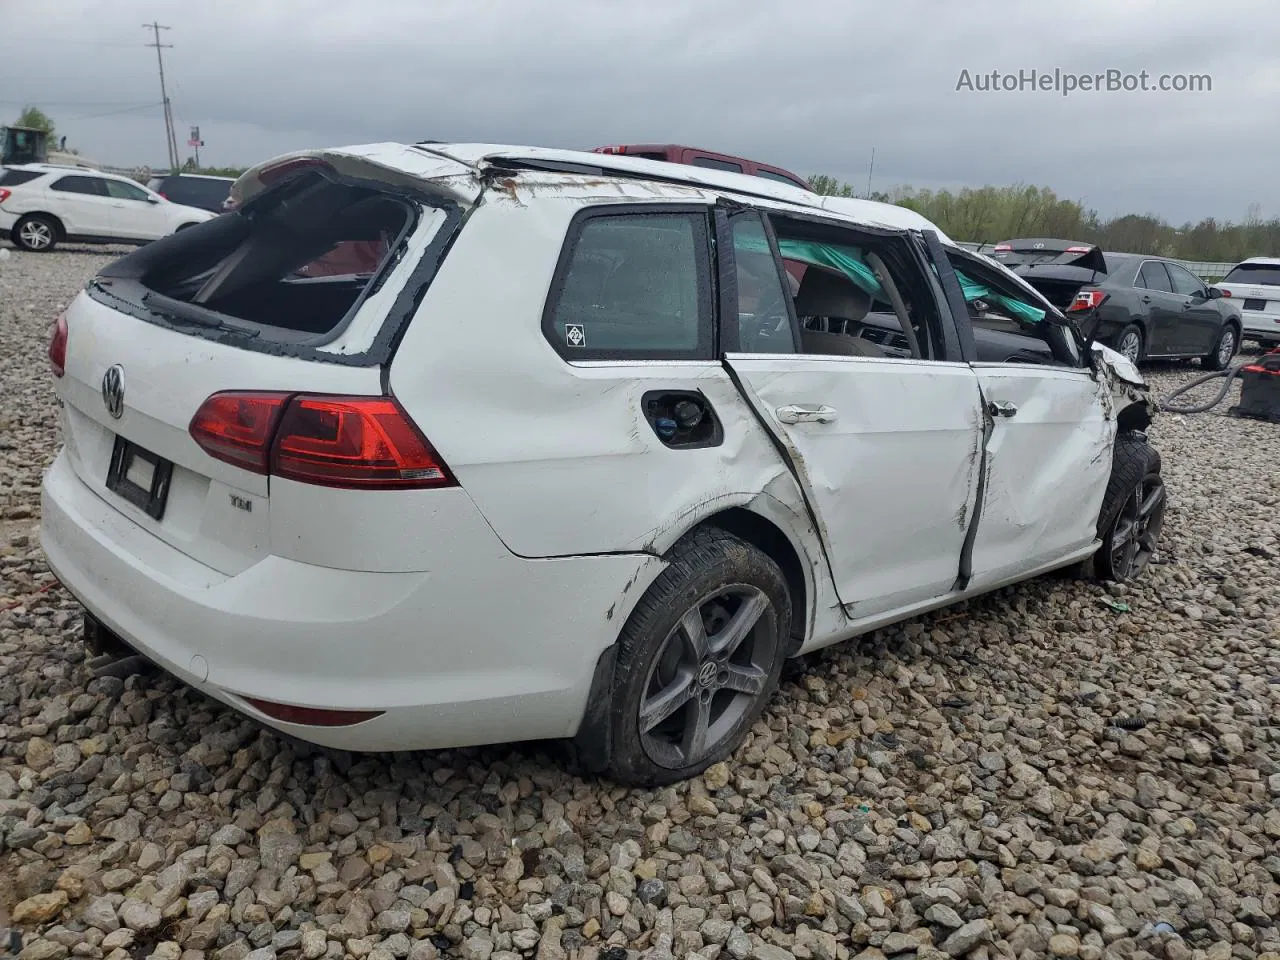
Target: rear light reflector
(1003, 248)
(312, 716)
(1225, 293)
(5, 194)
(361, 443)
(58, 345)
(1078, 249)
(237, 427)
(1086, 300)
(365, 442)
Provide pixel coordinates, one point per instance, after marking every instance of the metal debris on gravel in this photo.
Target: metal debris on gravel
(1033, 774)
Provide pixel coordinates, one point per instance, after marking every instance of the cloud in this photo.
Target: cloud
(812, 86)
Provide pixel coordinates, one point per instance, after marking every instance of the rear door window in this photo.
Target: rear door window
(1153, 276)
(197, 193)
(764, 322)
(633, 286)
(91, 186)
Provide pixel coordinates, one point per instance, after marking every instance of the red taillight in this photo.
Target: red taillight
(282, 170)
(1086, 300)
(312, 716)
(365, 443)
(1225, 293)
(5, 194)
(238, 427)
(1003, 248)
(1078, 249)
(58, 345)
(165, 195)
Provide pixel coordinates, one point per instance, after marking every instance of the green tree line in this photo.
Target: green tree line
(992, 214)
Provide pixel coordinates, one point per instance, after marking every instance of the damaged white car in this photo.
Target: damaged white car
(436, 445)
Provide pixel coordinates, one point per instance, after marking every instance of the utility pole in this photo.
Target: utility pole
(870, 168)
(170, 140)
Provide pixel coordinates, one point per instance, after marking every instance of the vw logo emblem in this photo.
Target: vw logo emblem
(113, 390)
(707, 673)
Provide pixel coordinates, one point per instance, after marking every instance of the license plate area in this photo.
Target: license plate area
(1255, 305)
(140, 477)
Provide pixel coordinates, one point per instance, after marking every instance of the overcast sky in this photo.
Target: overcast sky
(811, 86)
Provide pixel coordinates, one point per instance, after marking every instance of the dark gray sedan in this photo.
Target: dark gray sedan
(1145, 307)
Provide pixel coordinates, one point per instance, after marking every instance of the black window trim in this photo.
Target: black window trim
(727, 276)
(699, 215)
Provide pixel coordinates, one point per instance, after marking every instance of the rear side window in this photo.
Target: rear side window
(91, 186)
(633, 286)
(1152, 276)
(15, 178)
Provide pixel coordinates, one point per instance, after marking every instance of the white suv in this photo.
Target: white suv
(42, 205)
(438, 445)
(1254, 286)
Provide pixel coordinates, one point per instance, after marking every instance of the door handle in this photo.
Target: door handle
(806, 413)
(1146, 299)
(1002, 408)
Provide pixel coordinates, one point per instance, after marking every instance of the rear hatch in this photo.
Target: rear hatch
(301, 292)
(1031, 251)
(1253, 287)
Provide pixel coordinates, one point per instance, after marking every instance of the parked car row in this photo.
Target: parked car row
(42, 205)
(1145, 307)
(547, 460)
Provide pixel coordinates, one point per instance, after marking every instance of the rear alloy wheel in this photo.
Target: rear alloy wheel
(1132, 511)
(1220, 358)
(697, 661)
(36, 233)
(1129, 343)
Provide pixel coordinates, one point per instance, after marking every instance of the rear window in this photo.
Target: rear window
(1263, 274)
(633, 286)
(293, 267)
(15, 178)
(713, 163)
(195, 193)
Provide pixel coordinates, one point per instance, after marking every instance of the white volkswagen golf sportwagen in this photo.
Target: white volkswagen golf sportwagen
(436, 445)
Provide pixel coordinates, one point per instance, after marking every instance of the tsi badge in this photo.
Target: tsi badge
(113, 390)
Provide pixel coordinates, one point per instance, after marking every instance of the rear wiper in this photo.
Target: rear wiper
(182, 312)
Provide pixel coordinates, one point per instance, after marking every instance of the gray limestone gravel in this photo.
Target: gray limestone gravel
(1036, 773)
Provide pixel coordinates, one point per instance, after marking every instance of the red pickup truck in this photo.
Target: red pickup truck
(675, 153)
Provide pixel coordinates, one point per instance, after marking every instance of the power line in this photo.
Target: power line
(172, 142)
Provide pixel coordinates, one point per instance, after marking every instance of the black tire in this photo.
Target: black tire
(711, 574)
(36, 233)
(1131, 331)
(1132, 511)
(1220, 357)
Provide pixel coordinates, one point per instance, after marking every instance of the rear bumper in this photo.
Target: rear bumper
(485, 647)
(1259, 323)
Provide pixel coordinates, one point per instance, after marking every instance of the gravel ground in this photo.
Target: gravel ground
(1056, 770)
